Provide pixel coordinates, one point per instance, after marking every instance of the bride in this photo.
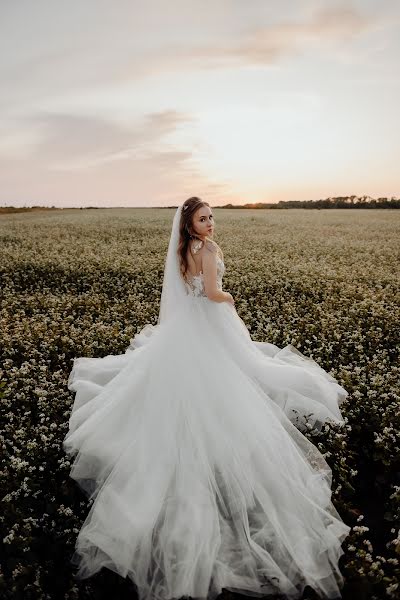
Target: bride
(190, 446)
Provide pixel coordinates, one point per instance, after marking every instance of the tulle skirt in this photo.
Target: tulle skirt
(190, 446)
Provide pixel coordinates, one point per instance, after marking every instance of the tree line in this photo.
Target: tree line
(337, 202)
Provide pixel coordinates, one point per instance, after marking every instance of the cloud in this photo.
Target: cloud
(76, 159)
(269, 44)
(160, 179)
(66, 141)
(76, 56)
(260, 45)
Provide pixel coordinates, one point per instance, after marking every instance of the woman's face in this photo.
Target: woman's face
(203, 222)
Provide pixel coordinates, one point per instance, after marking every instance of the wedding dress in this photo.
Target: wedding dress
(190, 446)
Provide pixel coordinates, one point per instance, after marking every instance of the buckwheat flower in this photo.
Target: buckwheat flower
(360, 528)
(18, 464)
(368, 557)
(391, 589)
(65, 510)
(9, 538)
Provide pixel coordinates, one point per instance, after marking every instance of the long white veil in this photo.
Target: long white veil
(173, 291)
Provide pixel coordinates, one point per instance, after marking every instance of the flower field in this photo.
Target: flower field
(83, 282)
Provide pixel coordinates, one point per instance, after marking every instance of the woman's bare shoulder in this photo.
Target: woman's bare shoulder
(211, 246)
(214, 248)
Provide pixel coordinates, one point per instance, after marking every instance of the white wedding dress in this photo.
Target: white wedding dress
(199, 477)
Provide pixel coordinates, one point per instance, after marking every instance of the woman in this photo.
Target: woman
(190, 446)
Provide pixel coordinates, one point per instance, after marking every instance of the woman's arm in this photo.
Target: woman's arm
(209, 265)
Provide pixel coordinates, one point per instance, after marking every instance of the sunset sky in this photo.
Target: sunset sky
(146, 103)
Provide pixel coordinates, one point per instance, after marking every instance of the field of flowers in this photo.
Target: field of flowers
(83, 282)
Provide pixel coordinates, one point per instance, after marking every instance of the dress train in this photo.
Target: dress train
(190, 446)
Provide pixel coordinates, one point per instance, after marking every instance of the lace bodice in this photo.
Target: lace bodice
(195, 283)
